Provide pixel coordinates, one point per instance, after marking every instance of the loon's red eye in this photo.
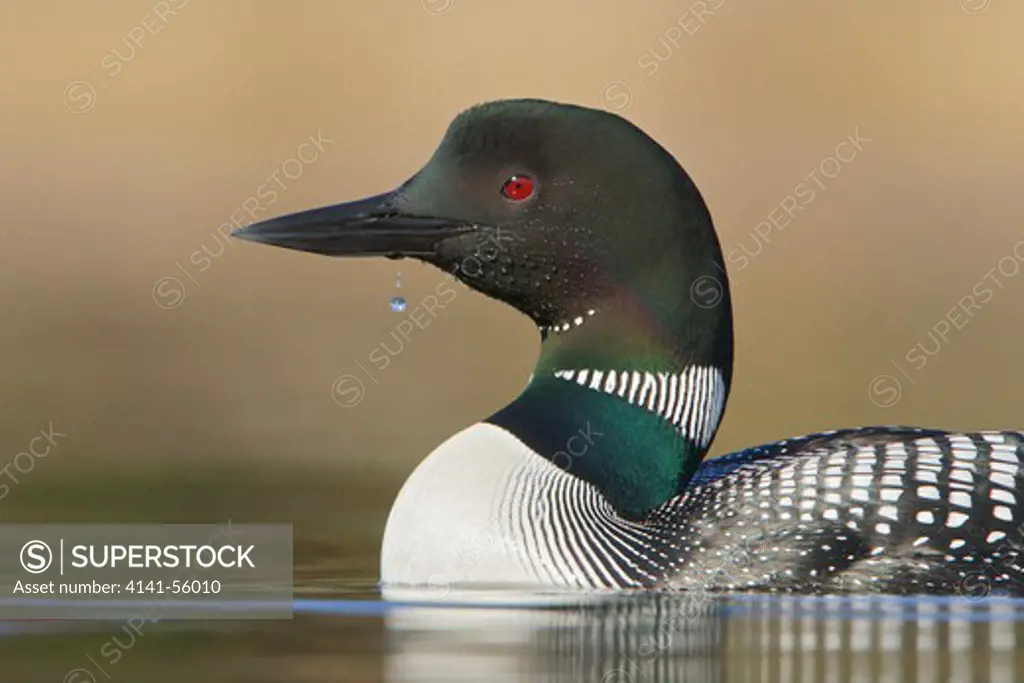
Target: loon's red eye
(518, 187)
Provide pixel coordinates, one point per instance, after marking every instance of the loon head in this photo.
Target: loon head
(579, 220)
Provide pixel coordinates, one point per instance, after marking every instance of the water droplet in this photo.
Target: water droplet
(397, 302)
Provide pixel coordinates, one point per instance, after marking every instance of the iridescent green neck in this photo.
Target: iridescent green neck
(625, 402)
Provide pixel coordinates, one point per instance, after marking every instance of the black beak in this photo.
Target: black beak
(374, 226)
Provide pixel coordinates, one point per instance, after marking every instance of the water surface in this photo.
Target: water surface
(347, 632)
(343, 630)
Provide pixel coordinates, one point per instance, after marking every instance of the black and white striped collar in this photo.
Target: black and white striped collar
(692, 400)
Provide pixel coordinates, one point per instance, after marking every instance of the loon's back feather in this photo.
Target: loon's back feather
(891, 509)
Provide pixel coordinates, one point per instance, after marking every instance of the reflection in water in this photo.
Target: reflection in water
(874, 639)
(656, 638)
(341, 637)
(616, 640)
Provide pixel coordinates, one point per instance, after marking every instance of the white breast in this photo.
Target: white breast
(449, 525)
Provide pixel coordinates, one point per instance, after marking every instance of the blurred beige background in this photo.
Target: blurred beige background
(131, 132)
(193, 378)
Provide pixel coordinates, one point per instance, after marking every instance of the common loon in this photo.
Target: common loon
(593, 477)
